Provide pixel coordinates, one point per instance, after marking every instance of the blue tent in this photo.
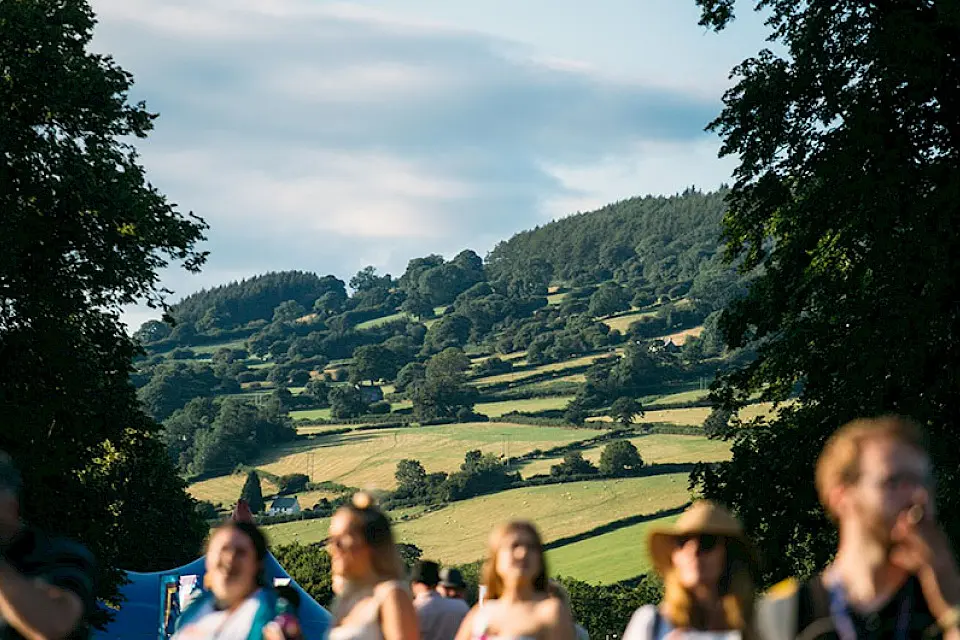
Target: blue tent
(145, 611)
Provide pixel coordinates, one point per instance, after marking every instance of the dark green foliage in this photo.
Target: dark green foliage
(373, 362)
(493, 366)
(368, 280)
(418, 306)
(84, 235)
(663, 240)
(309, 566)
(609, 299)
(292, 483)
(175, 384)
(411, 479)
(620, 458)
(443, 391)
(574, 464)
(379, 408)
(717, 424)
(319, 390)
(846, 198)
(408, 375)
(346, 402)
(625, 409)
(210, 437)
(450, 331)
(256, 298)
(206, 510)
(299, 378)
(288, 311)
(605, 610)
(252, 493)
(431, 281)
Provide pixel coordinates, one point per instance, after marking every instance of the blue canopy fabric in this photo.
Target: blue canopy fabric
(144, 614)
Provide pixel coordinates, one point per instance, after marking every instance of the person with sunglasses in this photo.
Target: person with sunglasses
(373, 602)
(894, 574)
(709, 569)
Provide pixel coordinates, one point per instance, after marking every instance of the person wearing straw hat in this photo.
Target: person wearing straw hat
(709, 570)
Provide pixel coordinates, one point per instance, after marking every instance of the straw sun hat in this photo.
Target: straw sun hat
(701, 518)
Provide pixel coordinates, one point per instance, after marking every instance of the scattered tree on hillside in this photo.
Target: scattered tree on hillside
(367, 279)
(288, 311)
(574, 464)
(346, 402)
(411, 478)
(299, 377)
(319, 390)
(410, 374)
(609, 299)
(252, 493)
(849, 169)
(373, 362)
(575, 413)
(292, 483)
(620, 458)
(625, 409)
(418, 306)
(444, 390)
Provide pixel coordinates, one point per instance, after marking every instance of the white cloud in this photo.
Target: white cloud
(327, 136)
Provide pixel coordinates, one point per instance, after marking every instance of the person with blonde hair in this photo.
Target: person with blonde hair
(894, 574)
(709, 570)
(373, 602)
(517, 604)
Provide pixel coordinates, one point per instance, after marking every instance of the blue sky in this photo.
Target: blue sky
(326, 136)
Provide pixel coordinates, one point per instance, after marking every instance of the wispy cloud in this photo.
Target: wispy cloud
(326, 136)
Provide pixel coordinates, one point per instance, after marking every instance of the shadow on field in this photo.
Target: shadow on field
(613, 526)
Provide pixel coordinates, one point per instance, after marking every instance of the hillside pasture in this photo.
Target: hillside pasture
(210, 349)
(623, 321)
(553, 367)
(497, 409)
(368, 459)
(606, 558)
(225, 490)
(458, 532)
(694, 416)
(656, 448)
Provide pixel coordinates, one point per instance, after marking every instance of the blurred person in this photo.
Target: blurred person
(239, 604)
(518, 605)
(46, 583)
(709, 572)
(372, 602)
(439, 617)
(894, 574)
(557, 590)
(452, 584)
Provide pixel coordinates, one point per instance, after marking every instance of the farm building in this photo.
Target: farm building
(284, 506)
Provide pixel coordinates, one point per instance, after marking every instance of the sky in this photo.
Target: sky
(327, 136)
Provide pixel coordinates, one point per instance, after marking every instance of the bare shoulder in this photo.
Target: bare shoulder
(550, 606)
(393, 593)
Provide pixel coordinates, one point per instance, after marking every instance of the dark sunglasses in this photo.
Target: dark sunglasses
(705, 542)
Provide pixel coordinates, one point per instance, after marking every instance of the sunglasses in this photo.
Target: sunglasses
(705, 542)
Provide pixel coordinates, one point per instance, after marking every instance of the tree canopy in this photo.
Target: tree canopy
(846, 199)
(84, 234)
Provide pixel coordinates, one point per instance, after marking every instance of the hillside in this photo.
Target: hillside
(465, 382)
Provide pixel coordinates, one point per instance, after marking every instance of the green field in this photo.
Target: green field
(655, 448)
(376, 322)
(213, 348)
(553, 367)
(311, 414)
(225, 489)
(497, 409)
(683, 396)
(458, 532)
(622, 322)
(368, 459)
(555, 298)
(694, 416)
(606, 558)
